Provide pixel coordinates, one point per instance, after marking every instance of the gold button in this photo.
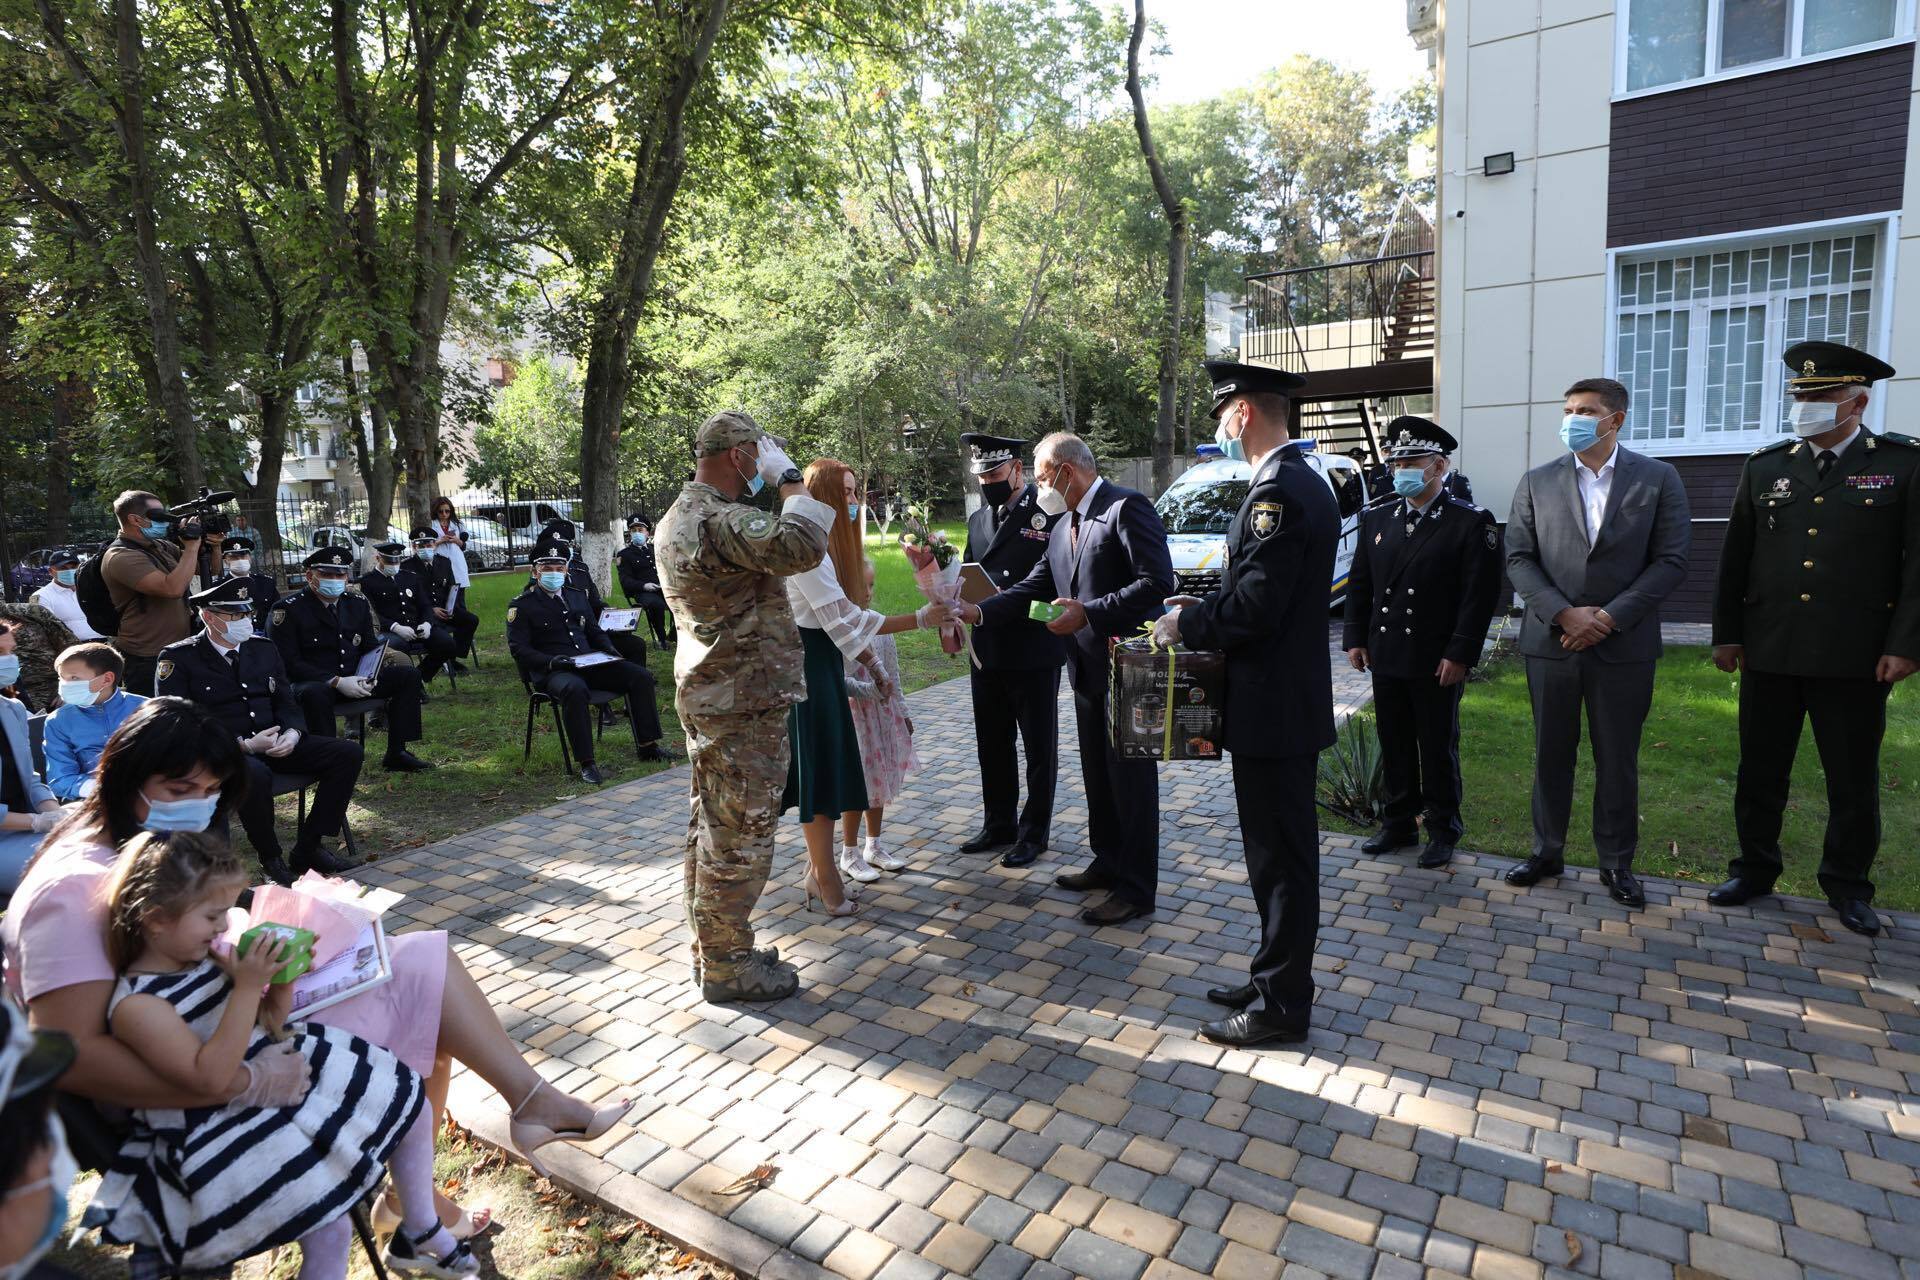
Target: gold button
(1805, 597)
(1812, 532)
(1818, 501)
(1806, 564)
(1869, 501)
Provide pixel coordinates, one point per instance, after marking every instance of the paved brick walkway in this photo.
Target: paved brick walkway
(972, 1083)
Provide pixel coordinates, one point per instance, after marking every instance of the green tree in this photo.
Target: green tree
(531, 440)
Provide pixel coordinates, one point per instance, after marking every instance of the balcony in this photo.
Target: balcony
(306, 467)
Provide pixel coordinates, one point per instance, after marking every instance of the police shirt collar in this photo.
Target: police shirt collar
(219, 647)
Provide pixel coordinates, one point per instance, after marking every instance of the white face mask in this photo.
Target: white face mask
(239, 568)
(1817, 417)
(1049, 499)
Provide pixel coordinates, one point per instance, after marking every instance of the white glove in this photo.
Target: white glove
(939, 613)
(285, 740)
(1166, 628)
(774, 461)
(277, 1077)
(405, 633)
(424, 630)
(43, 821)
(260, 742)
(352, 686)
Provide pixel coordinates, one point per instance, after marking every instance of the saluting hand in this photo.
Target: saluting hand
(1893, 668)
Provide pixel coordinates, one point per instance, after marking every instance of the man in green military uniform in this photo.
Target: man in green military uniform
(736, 670)
(1818, 606)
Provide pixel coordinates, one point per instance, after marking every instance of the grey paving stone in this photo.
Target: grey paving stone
(1327, 1254)
(1098, 1258)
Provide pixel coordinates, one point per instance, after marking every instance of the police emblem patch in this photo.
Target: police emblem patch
(279, 616)
(1039, 521)
(356, 637)
(164, 669)
(757, 525)
(1266, 519)
(1783, 484)
(511, 612)
(1493, 537)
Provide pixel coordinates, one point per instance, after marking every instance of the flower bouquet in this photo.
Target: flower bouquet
(936, 570)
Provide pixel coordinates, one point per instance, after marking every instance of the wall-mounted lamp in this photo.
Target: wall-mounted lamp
(1496, 166)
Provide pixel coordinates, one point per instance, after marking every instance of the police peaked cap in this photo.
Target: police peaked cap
(29, 1060)
(991, 451)
(329, 558)
(552, 556)
(1409, 437)
(560, 529)
(1823, 366)
(391, 550)
(228, 593)
(1231, 378)
(236, 546)
(422, 534)
(637, 518)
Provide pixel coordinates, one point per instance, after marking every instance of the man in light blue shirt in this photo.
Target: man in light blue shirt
(92, 707)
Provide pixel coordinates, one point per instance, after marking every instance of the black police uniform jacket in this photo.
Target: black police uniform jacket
(398, 599)
(1270, 612)
(1821, 576)
(639, 575)
(317, 643)
(542, 626)
(1414, 599)
(246, 695)
(432, 583)
(1008, 554)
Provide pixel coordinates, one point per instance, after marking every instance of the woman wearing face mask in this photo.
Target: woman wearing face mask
(36, 1169)
(172, 767)
(58, 597)
(27, 806)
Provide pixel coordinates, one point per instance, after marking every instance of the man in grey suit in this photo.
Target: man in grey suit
(1596, 539)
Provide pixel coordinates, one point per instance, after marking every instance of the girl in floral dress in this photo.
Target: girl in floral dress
(886, 752)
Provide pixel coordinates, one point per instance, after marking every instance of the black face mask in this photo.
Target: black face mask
(996, 492)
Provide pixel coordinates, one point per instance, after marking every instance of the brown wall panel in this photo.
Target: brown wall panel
(1819, 140)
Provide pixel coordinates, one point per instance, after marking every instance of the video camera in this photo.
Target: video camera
(200, 516)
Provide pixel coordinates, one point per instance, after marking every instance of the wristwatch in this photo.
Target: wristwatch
(790, 476)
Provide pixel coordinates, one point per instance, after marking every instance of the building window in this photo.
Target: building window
(1697, 334)
(1669, 42)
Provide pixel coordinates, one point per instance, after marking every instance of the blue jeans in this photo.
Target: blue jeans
(15, 848)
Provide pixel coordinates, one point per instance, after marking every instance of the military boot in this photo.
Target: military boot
(756, 978)
(770, 955)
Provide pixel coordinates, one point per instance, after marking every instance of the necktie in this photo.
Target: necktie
(1073, 533)
(1827, 458)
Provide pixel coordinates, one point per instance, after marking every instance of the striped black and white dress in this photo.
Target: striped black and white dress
(214, 1184)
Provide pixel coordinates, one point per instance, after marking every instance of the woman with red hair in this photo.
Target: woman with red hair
(824, 776)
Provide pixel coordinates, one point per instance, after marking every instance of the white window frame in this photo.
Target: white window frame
(1903, 33)
(1886, 229)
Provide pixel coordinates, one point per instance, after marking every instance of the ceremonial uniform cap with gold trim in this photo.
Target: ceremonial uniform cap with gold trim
(236, 545)
(329, 558)
(1410, 437)
(229, 594)
(991, 451)
(1822, 366)
(1232, 379)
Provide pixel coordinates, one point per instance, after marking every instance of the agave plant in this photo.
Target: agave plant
(1351, 773)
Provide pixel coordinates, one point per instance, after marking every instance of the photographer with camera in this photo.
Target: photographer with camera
(146, 573)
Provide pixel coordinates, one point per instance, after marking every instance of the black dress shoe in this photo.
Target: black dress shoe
(1081, 881)
(1737, 892)
(1114, 910)
(1856, 915)
(1233, 997)
(1387, 839)
(404, 761)
(1624, 888)
(1244, 1030)
(1436, 854)
(658, 753)
(1534, 870)
(320, 858)
(985, 842)
(1023, 854)
(275, 869)
(591, 773)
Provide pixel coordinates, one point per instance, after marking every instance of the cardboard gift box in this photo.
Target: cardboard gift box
(1166, 703)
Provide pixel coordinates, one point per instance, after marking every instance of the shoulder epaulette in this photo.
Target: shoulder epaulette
(1462, 502)
(1769, 448)
(1894, 437)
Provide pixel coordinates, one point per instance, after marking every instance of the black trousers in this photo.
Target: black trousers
(1007, 704)
(1419, 726)
(571, 687)
(1849, 720)
(660, 621)
(629, 645)
(464, 622)
(334, 761)
(1616, 697)
(441, 646)
(399, 684)
(1123, 803)
(1274, 795)
(138, 676)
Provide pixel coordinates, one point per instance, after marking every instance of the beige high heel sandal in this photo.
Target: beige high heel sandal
(527, 1136)
(811, 885)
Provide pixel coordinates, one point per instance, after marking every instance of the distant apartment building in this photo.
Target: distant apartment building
(1667, 192)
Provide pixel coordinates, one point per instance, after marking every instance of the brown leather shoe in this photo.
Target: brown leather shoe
(1081, 881)
(1115, 910)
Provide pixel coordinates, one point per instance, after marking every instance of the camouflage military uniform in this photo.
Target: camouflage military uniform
(737, 668)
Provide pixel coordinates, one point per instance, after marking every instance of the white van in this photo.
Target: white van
(1200, 505)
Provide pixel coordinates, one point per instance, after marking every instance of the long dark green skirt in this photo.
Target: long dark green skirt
(824, 776)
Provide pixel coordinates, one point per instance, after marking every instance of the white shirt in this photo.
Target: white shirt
(818, 602)
(452, 552)
(62, 603)
(1595, 488)
(1086, 499)
(1837, 449)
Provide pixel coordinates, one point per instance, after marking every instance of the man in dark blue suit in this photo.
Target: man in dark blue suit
(1270, 618)
(1015, 674)
(1108, 571)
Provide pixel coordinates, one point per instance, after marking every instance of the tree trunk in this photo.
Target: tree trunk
(276, 408)
(372, 450)
(1176, 291)
(66, 399)
(659, 165)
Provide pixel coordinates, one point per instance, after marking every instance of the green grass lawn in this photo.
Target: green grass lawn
(894, 591)
(1687, 761)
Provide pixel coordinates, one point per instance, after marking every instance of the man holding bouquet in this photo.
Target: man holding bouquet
(1105, 578)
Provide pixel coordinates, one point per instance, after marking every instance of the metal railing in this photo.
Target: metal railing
(1351, 313)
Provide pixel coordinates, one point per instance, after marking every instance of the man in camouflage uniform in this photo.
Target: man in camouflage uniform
(737, 668)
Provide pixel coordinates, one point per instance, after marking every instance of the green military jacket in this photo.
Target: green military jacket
(1820, 577)
(722, 568)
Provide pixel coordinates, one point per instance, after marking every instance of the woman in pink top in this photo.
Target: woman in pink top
(171, 767)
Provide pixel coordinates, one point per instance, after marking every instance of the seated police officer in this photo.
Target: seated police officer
(431, 578)
(405, 609)
(549, 625)
(639, 575)
(241, 681)
(557, 539)
(323, 633)
(236, 561)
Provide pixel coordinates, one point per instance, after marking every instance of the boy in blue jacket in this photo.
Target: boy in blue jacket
(92, 706)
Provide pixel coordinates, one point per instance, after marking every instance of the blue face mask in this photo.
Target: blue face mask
(755, 482)
(180, 815)
(553, 581)
(9, 669)
(1409, 481)
(65, 577)
(637, 539)
(1230, 446)
(331, 588)
(156, 530)
(425, 553)
(853, 511)
(61, 1172)
(1579, 432)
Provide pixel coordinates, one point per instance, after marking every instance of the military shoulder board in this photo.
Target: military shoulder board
(1769, 448)
(1894, 437)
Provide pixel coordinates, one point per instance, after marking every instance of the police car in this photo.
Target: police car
(1199, 506)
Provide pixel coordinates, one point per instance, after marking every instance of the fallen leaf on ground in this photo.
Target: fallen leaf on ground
(761, 1176)
(967, 988)
(684, 1259)
(1811, 933)
(1573, 1248)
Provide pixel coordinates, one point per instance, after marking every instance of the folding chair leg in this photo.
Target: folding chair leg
(560, 732)
(526, 752)
(363, 1228)
(300, 823)
(633, 725)
(346, 838)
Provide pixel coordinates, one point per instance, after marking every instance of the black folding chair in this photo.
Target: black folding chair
(298, 783)
(355, 712)
(596, 699)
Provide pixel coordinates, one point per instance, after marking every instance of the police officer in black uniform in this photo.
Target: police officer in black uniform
(1270, 617)
(1015, 676)
(639, 576)
(559, 538)
(1818, 607)
(239, 678)
(403, 603)
(1424, 582)
(236, 557)
(431, 578)
(323, 631)
(549, 625)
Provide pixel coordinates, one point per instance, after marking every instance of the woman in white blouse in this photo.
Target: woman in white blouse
(824, 777)
(450, 541)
